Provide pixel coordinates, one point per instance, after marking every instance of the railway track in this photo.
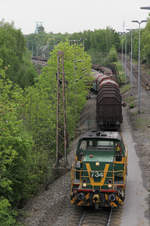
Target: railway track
(39, 61)
(94, 217)
(87, 216)
(91, 217)
(144, 81)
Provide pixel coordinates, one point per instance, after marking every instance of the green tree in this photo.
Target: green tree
(145, 40)
(40, 113)
(15, 151)
(112, 55)
(18, 68)
(97, 43)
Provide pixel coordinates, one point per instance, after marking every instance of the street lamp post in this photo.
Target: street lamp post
(139, 61)
(122, 50)
(125, 57)
(145, 7)
(131, 70)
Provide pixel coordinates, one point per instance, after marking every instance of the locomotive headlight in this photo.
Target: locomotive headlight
(84, 185)
(97, 164)
(109, 185)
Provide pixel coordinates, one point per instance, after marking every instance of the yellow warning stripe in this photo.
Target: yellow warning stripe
(80, 203)
(106, 196)
(73, 200)
(93, 183)
(118, 199)
(87, 196)
(113, 204)
(121, 162)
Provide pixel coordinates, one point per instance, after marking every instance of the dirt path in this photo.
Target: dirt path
(135, 207)
(137, 204)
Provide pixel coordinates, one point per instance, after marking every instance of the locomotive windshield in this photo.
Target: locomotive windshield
(96, 144)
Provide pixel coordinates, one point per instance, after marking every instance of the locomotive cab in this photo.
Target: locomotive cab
(98, 175)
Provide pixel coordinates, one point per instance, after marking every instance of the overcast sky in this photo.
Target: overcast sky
(73, 15)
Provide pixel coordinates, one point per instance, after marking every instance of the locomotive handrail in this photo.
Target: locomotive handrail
(108, 171)
(80, 182)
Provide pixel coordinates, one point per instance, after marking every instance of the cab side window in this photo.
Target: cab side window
(118, 152)
(83, 145)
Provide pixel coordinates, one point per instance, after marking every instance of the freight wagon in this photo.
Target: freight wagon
(108, 103)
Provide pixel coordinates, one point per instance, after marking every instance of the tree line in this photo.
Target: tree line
(28, 116)
(99, 43)
(144, 42)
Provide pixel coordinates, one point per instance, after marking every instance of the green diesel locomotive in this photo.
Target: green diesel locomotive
(98, 175)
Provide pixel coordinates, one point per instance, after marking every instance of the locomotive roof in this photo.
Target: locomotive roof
(102, 134)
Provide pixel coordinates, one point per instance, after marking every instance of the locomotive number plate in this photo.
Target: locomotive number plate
(96, 174)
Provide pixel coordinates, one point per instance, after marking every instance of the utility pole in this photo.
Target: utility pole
(57, 112)
(61, 77)
(64, 109)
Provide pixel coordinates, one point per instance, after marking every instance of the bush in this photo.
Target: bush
(28, 127)
(15, 152)
(112, 55)
(15, 57)
(7, 215)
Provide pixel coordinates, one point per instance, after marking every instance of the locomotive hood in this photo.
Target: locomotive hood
(102, 156)
(97, 167)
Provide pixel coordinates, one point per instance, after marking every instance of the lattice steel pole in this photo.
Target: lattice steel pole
(61, 76)
(64, 109)
(57, 110)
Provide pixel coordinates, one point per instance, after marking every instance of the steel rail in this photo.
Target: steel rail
(102, 219)
(109, 218)
(82, 219)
